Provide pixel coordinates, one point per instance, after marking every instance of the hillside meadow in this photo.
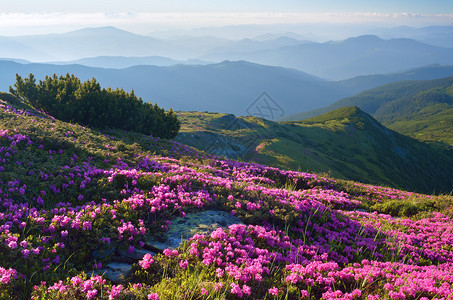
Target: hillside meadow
(346, 143)
(72, 197)
(421, 109)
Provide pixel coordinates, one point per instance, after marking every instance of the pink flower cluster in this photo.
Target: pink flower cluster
(7, 274)
(242, 253)
(91, 288)
(146, 261)
(309, 238)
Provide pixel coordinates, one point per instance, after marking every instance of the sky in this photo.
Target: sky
(19, 17)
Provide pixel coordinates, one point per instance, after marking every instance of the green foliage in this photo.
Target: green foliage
(165, 276)
(405, 208)
(68, 99)
(351, 112)
(347, 142)
(421, 109)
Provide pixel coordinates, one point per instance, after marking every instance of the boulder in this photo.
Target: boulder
(126, 257)
(116, 271)
(182, 229)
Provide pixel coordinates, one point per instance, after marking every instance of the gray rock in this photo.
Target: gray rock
(183, 228)
(104, 251)
(125, 256)
(154, 245)
(116, 272)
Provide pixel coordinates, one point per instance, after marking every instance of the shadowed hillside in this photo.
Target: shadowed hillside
(346, 142)
(420, 109)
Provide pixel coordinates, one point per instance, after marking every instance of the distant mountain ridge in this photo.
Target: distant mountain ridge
(111, 41)
(123, 62)
(429, 72)
(91, 42)
(441, 36)
(227, 87)
(336, 60)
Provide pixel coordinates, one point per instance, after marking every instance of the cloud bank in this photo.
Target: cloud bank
(36, 23)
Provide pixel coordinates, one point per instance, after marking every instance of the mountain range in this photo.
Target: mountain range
(348, 143)
(91, 42)
(422, 109)
(111, 41)
(123, 62)
(336, 60)
(333, 60)
(229, 87)
(441, 36)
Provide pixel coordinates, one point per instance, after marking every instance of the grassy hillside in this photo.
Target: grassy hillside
(426, 116)
(77, 202)
(347, 142)
(420, 109)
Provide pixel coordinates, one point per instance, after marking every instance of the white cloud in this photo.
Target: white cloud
(33, 23)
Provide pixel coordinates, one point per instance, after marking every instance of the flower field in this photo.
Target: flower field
(71, 197)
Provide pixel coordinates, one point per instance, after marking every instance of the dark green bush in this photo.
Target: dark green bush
(68, 99)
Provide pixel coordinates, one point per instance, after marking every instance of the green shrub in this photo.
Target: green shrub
(68, 99)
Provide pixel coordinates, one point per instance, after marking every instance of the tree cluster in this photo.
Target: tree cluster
(68, 99)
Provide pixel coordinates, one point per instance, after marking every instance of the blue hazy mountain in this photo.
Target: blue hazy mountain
(122, 62)
(92, 42)
(110, 41)
(430, 72)
(229, 87)
(12, 49)
(441, 36)
(248, 45)
(334, 60)
(356, 56)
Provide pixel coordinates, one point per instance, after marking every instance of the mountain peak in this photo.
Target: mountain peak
(369, 38)
(350, 115)
(338, 114)
(104, 30)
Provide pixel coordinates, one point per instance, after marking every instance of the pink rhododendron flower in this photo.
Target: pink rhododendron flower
(146, 262)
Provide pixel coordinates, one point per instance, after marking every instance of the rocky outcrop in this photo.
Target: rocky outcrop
(181, 229)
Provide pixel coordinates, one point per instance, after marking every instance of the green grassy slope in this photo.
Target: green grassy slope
(420, 109)
(425, 116)
(78, 204)
(347, 142)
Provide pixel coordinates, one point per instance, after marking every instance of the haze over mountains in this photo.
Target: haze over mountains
(219, 74)
(441, 36)
(355, 56)
(337, 59)
(229, 87)
(110, 41)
